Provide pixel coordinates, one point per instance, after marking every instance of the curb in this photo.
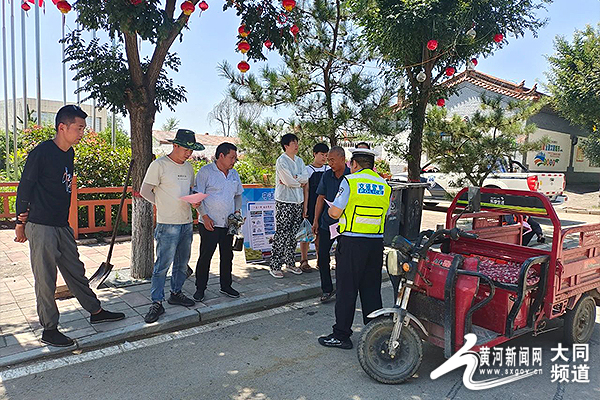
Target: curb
(168, 322)
(585, 211)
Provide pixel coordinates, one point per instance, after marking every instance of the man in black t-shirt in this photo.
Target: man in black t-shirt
(327, 190)
(315, 171)
(43, 200)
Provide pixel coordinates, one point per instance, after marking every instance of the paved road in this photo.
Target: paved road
(270, 355)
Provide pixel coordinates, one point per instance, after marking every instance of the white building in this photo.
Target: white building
(562, 154)
(49, 110)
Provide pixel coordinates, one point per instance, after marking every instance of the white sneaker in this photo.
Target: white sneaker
(276, 274)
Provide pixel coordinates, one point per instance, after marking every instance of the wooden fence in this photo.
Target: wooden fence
(77, 205)
(5, 196)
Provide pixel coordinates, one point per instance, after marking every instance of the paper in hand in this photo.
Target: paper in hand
(333, 231)
(194, 198)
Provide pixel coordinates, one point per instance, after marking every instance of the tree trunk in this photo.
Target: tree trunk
(415, 146)
(333, 140)
(142, 222)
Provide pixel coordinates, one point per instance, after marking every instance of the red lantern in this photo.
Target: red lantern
(474, 62)
(55, 1)
(243, 31)
(203, 6)
(441, 102)
(432, 44)
(243, 46)
(498, 37)
(243, 66)
(63, 6)
(136, 2)
(289, 4)
(187, 7)
(294, 29)
(25, 7)
(450, 71)
(268, 44)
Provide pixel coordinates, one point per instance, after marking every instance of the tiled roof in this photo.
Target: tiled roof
(206, 139)
(496, 85)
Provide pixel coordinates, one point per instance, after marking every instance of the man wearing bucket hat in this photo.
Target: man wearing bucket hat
(168, 178)
(361, 206)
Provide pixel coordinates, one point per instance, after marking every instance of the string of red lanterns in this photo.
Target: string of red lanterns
(25, 6)
(243, 46)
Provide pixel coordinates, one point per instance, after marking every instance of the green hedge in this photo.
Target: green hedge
(97, 164)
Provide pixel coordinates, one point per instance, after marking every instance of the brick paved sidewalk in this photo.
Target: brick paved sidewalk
(21, 332)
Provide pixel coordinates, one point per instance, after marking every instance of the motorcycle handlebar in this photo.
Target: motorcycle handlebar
(467, 235)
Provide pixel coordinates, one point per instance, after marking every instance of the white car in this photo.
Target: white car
(440, 184)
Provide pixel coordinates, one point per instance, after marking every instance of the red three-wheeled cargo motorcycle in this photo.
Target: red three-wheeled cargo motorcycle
(479, 279)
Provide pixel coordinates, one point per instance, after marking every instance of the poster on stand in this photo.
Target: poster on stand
(258, 206)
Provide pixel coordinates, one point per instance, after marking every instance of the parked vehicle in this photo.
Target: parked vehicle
(482, 281)
(515, 177)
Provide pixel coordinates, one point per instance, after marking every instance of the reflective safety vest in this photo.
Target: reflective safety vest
(367, 205)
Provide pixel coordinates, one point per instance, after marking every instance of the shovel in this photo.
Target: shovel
(102, 273)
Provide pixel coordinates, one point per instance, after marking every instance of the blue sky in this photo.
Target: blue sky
(212, 37)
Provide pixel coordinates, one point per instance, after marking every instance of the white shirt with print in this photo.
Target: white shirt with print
(171, 181)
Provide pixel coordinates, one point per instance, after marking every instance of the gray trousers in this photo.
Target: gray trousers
(51, 247)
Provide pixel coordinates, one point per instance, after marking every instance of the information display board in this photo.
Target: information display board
(258, 206)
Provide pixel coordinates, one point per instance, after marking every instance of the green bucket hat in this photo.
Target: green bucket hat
(186, 138)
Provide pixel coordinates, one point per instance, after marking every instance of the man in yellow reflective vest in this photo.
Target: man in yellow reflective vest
(361, 206)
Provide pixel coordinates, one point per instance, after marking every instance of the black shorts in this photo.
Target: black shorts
(311, 214)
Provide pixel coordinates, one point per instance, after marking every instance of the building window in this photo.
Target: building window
(47, 118)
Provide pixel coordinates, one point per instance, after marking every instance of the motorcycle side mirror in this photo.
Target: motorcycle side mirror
(402, 244)
(474, 197)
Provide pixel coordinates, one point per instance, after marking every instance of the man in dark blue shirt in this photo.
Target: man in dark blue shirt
(44, 193)
(327, 190)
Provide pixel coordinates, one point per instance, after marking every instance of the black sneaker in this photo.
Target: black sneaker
(198, 296)
(327, 297)
(156, 309)
(231, 292)
(332, 341)
(106, 316)
(54, 338)
(541, 239)
(180, 299)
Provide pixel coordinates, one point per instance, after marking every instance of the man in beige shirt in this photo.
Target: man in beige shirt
(168, 178)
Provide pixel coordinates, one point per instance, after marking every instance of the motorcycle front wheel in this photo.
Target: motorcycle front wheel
(374, 356)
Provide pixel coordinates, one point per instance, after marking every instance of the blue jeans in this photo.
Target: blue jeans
(173, 246)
